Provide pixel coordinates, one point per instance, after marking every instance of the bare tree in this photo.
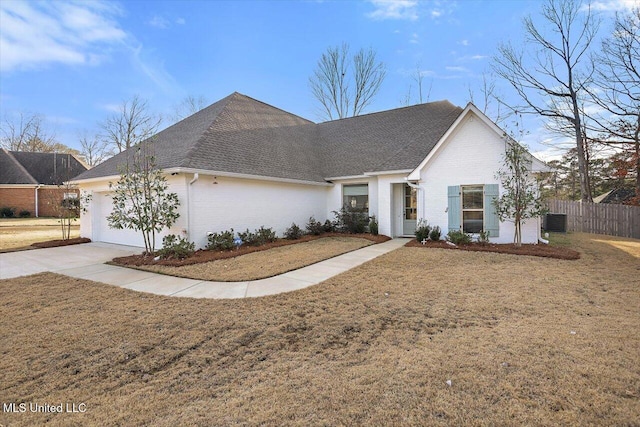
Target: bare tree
(489, 101)
(551, 75)
(132, 124)
(26, 132)
(617, 89)
(346, 88)
(418, 77)
(188, 106)
(92, 149)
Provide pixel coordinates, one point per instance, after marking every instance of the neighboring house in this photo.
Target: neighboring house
(617, 196)
(241, 163)
(33, 181)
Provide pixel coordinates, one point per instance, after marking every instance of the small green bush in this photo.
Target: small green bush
(483, 237)
(7, 212)
(351, 221)
(265, 235)
(248, 238)
(174, 247)
(24, 214)
(435, 233)
(259, 237)
(314, 227)
(222, 241)
(458, 237)
(373, 226)
(328, 227)
(422, 230)
(293, 233)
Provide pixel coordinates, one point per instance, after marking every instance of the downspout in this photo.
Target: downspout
(36, 196)
(196, 176)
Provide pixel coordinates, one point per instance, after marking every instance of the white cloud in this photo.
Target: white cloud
(435, 13)
(415, 39)
(614, 5)
(394, 9)
(464, 42)
(180, 21)
(159, 22)
(457, 69)
(37, 34)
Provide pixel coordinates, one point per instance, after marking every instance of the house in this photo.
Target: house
(33, 182)
(241, 163)
(616, 196)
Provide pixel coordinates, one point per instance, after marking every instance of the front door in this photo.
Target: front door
(410, 205)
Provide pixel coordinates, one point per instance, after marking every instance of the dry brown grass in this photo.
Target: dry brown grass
(524, 340)
(22, 232)
(258, 265)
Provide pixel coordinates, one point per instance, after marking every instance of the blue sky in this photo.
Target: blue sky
(74, 62)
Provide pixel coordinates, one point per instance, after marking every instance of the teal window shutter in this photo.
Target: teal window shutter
(454, 207)
(491, 220)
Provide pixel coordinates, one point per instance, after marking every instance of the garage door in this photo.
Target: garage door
(103, 206)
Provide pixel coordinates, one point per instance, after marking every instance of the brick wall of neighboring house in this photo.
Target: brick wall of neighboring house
(21, 199)
(24, 199)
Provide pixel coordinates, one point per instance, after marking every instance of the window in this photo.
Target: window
(356, 197)
(472, 208)
(70, 196)
(410, 203)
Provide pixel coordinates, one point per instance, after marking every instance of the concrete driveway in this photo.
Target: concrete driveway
(86, 261)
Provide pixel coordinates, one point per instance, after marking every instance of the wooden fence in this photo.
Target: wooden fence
(599, 218)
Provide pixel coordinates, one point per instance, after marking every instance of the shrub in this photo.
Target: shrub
(265, 235)
(7, 212)
(176, 247)
(458, 237)
(483, 237)
(435, 233)
(351, 221)
(249, 238)
(422, 230)
(25, 214)
(259, 237)
(222, 241)
(314, 227)
(293, 233)
(373, 226)
(328, 227)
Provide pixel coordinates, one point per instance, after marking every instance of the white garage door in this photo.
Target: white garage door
(103, 207)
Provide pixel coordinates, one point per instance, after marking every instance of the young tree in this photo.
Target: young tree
(520, 200)
(132, 124)
(551, 75)
(64, 200)
(141, 200)
(345, 88)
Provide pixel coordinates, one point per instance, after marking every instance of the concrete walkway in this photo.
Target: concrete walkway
(86, 261)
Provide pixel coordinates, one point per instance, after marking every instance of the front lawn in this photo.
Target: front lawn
(520, 340)
(23, 232)
(267, 263)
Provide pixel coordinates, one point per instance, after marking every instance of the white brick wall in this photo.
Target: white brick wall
(244, 203)
(472, 155)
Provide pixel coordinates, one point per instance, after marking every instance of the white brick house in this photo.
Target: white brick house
(240, 163)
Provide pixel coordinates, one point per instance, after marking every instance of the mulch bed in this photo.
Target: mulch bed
(56, 243)
(204, 255)
(531, 250)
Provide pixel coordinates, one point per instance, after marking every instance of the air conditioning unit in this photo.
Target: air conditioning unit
(555, 222)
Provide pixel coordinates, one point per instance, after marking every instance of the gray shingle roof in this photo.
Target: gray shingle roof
(20, 167)
(239, 134)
